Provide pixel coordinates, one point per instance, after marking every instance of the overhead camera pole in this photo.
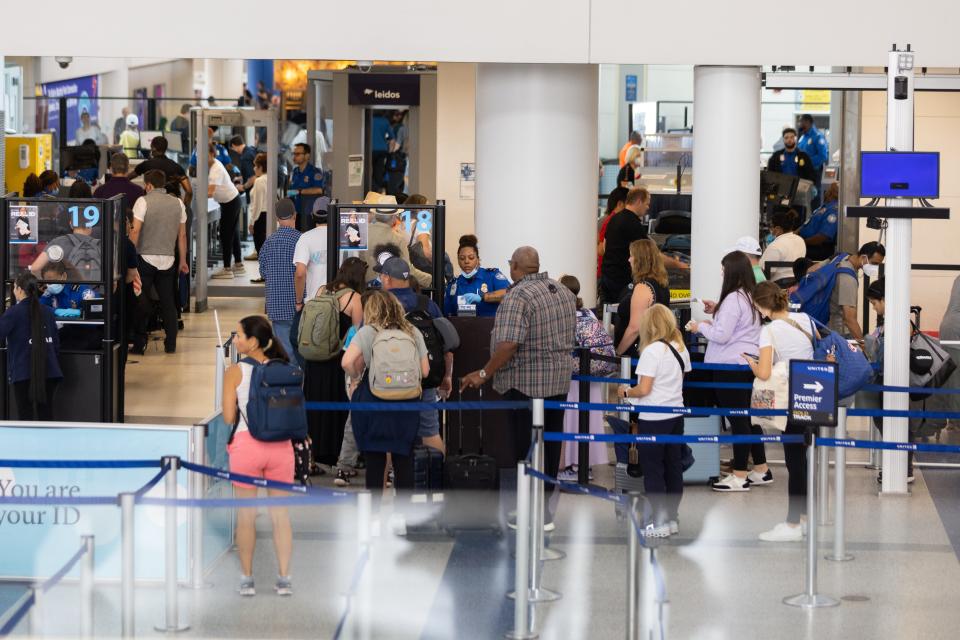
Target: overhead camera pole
(896, 355)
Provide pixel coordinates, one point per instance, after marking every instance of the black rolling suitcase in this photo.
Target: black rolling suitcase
(472, 485)
(427, 469)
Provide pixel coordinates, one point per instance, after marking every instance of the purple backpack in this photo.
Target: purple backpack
(590, 333)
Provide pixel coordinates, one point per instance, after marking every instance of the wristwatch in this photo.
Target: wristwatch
(482, 373)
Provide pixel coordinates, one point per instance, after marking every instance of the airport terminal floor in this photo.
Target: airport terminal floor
(720, 581)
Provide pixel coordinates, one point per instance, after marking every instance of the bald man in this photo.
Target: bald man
(533, 335)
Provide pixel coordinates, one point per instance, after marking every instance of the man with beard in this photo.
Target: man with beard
(790, 160)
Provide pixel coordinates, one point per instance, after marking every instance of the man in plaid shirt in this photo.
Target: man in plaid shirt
(533, 335)
(277, 269)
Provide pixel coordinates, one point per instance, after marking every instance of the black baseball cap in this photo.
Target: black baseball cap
(390, 265)
(285, 209)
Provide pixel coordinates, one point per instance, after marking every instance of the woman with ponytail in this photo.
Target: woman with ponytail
(33, 347)
(251, 457)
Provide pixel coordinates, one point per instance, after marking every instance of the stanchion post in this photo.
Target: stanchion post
(521, 574)
(635, 555)
(127, 573)
(362, 611)
(86, 588)
(34, 618)
(875, 454)
(810, 599)
(823, 481)
(538, 550)
(171, 622)
(583, 448)
(218, 380)
(839, 553)
(197, 487)
(625, 374)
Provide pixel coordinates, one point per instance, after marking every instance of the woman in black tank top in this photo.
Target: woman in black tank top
(650, 286)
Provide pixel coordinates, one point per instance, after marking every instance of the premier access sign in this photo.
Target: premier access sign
(814, 393)
(384, 89)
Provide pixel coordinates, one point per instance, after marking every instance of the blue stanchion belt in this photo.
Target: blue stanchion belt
(55, 579)
(890, 446)
(490, 405)
(47, 584)
(334, 497)
(883, 388)
(671, 439)
(223, 474)
(18, 615)
(139, 493)
(80, 464)
(682, 411)
(354, 584)
(896, 413)
(80, 501)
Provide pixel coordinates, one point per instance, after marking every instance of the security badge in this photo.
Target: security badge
(832, 218)
(483, 288)
(89, 294)
(453, 289)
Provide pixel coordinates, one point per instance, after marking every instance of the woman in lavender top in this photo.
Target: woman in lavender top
(734, 331)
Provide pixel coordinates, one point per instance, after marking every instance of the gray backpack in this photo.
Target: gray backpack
(318, 337)
(395, 371)
(83, 255)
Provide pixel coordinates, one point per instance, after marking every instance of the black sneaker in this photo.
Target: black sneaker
(342, 479)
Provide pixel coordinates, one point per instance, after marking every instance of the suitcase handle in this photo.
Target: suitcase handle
(460, 418)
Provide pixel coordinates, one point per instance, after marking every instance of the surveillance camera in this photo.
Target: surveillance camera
(364, 65)
(63, 61)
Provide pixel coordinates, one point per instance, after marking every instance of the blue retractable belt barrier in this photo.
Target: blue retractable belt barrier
(80, 464)
(62, 501)
(491, 405)
(223, 474)
(574, 487)
(18, 615)
(334, 497)
(670, 439)
(139, 493)
(354, 583)
(682, 411)
(53, 580)
(890, 446)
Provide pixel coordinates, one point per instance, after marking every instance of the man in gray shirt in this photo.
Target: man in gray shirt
(159, 229)
(844, 299)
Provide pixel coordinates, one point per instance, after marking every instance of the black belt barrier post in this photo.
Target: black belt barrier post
(583, 448)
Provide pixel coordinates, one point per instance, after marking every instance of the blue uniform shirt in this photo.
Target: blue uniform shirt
(71, 297)
(823, 220)
(15, 329)
(814, 144)
(380, 134)
(222, 155)
(788, 162)
(484, 281)
(309, 178)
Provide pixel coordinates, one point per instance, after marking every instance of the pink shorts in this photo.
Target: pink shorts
(270, 460)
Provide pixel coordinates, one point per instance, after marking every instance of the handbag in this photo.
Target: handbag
(772, 393)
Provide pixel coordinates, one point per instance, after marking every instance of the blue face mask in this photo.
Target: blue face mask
(55, 289)
(470, 274)
(770, 238)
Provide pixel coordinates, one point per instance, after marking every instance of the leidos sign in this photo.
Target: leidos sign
(390, 89)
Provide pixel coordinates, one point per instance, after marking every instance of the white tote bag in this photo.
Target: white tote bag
(771, 393)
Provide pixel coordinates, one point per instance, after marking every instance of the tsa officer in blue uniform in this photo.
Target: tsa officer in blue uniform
(306, 185)
(814, 144)
(66, 300)
(791, 160)
(478, 290)
(820, 231)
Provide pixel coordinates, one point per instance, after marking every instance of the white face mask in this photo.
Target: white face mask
(470, 274)
(871, 271)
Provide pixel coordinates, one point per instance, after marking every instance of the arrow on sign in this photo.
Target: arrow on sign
(816, 387)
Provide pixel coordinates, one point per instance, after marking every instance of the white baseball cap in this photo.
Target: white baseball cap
(748, 245)
(133, 120)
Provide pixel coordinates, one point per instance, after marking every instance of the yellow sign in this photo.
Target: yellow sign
(679, 294)
(817, 100)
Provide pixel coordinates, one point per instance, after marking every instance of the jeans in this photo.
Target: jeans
(740, 425)
(165, 283)
(281, 329)
(795, 455)
(292, 340)
(429, 420)
(229, 238)
(662, 471)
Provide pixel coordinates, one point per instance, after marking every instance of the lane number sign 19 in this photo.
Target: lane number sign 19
(91, 216)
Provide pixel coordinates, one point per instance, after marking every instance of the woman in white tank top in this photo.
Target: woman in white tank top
(270, 460)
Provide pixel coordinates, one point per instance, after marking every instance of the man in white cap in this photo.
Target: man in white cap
(130, 138)
(751, 246)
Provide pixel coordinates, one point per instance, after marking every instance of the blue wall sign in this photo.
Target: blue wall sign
(813, 393)
(631, 88)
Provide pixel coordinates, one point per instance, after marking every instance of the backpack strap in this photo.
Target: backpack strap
(793, 323)
(676, 354)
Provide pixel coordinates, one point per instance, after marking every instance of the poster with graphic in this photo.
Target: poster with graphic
(354, 233)
(23, 225)
(82, 96)
(468, 180)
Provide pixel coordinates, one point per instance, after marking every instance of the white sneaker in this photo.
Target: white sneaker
(783, 532)
(222, 274)
(760, 478)
(252, 257)
(731, 483)
(656, 531)
(238, 267)
(674, 527)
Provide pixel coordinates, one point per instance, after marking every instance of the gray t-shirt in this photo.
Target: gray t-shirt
(844, 294)
(366, 335)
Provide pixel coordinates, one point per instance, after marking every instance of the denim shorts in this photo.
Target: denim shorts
(429, 420)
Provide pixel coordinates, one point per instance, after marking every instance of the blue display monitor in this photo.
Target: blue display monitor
(896, 174)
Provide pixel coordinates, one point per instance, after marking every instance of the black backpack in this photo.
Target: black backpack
(423, 321)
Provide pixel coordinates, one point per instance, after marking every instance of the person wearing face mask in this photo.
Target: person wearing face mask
(477, 290)
(791, 161)
(630, 172)
(66, 300)
(843, 299)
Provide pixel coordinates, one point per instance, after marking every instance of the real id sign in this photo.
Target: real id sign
(813, 393)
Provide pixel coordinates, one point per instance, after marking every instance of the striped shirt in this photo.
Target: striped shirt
(540, 315)
(277, 268)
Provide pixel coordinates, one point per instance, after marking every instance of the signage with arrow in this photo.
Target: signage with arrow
(813, 393)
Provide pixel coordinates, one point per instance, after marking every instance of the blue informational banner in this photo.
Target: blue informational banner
(631, 88)
(814, 393)
(81, 95)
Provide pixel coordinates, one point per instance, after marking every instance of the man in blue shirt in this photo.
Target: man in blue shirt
(815, 145)
(278, 270)
(306, 184)
(222, 154)
(395, 277)
(66, 300)
(381, 133)
(791, 160)
(820, 231)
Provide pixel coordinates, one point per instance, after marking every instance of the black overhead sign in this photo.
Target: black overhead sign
(375, 89)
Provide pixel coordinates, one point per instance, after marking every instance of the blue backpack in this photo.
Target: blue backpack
(853, 369)
(276, 409)
(814, 291)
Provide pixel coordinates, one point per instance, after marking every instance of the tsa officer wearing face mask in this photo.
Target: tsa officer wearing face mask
(478, 290)
(66, 300)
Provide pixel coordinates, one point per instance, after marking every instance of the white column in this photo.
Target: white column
(726, 169)
(537, 167)
(896, 325)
